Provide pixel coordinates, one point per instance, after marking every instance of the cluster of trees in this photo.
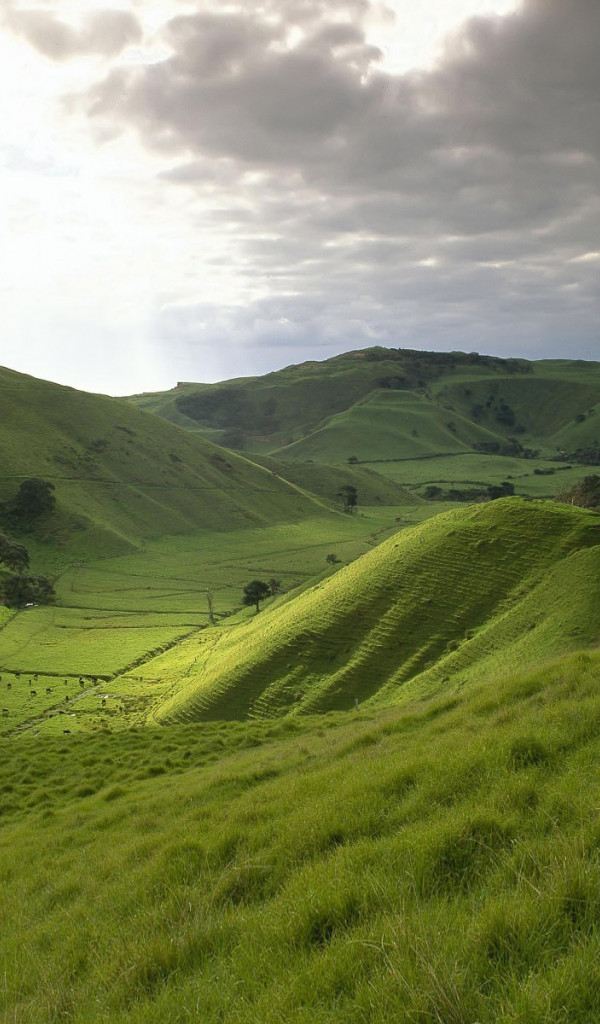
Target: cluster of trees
(488, 493)
(17, 588)
(586, 493)
(589, 456)
(34, 498)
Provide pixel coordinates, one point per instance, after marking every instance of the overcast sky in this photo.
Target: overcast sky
(207, 189)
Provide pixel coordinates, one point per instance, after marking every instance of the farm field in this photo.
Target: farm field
(118, 613)
(471, 469)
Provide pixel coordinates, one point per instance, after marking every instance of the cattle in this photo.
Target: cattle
(48, 689)
(9, 686)
(5, 711)
(34, 693)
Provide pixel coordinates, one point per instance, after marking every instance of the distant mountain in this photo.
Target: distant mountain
(394, 403)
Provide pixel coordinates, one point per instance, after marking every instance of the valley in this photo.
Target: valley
(374, 798)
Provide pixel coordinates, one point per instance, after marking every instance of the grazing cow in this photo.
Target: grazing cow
(81, 682)
(4, 711)
(48, 689)
(67, 732)
(34, 693)
(66, 696)
(9, 686)
(35, 676)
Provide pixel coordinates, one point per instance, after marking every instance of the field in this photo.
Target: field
(434, 863)
(494, 586)
(119, 613)
(373, 800)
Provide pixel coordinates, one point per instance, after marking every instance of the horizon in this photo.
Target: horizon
(192, 188)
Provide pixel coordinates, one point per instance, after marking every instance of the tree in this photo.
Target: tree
(33, 498)
(15, 556)
(274, 585)
(20, 591)
(332, 559)
(503, 490)
(349, 497)
(255, 592)
(586, 493)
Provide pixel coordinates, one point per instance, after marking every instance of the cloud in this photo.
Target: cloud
(103, 32)
(344, 204)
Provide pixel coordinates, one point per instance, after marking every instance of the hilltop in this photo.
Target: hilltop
(402, 397)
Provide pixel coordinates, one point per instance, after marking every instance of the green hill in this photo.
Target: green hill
(296, 411)
(150, 524)
(437, 863)
(122, 476)
(482, 589)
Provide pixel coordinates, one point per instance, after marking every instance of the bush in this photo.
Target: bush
(19, 590)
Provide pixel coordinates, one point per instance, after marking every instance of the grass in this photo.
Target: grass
(434, 863)
(120, 613)
(490, 587)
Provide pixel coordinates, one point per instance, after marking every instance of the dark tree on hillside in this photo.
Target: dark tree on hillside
(349, 497)
(15, 556)
(20, 591)
(34, 497)
(255, 592)
(274, 585)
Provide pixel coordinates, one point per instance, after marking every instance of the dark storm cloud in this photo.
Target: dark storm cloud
(458, 199)
(102, 32)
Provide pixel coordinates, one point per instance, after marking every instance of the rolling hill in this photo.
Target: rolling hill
(466, 594)
(393, 403)
(122, 476)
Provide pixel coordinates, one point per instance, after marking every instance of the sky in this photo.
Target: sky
(203, 189)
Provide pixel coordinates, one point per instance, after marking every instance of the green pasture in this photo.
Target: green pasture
(388, 424)
(511, 580)
(118, 613)
(437, 863)
(471, 469)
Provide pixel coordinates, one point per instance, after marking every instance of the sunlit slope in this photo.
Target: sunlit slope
(434, 863)
(122, 475)
(505, 584)
(389, 425)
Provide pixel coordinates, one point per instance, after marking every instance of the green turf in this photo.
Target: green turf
(431, 864)
(406, 619)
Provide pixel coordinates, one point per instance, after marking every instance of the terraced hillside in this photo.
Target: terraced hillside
(477, 590)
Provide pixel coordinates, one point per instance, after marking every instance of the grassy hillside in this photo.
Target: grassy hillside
(492, 586)
(431, 864)
(149, 520)
(549, 402)
(122, 476)
(327, 480)
(389, 424)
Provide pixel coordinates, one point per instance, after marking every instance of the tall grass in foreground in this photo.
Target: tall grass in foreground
(439, 864)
